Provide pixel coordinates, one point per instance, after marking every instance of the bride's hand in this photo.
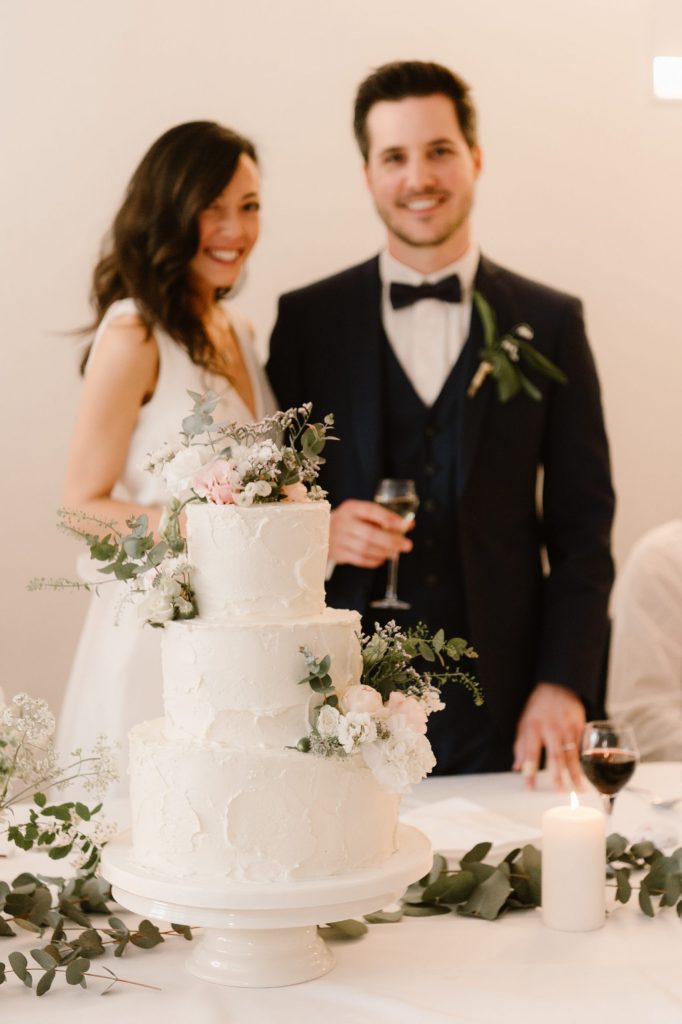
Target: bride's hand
(364, 534)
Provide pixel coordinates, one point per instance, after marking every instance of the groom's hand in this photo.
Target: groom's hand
(365, 534)
(553, 718)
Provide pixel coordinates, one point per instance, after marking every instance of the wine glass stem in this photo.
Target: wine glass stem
(392, 580)
(607, 803)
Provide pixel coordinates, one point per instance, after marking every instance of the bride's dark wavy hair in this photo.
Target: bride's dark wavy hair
(155, 233)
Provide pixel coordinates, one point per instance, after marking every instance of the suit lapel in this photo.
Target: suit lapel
(363, 367)
(492, 285)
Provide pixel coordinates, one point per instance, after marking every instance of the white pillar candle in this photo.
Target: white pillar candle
(574, 868)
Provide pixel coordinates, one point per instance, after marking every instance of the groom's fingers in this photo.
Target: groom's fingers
(364, 534)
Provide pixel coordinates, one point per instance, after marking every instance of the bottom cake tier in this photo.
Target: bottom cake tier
(204, 810)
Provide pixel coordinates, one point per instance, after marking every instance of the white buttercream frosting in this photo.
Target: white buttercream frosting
(206, 810)
(239, 682)
(215, 793)
(264, 561)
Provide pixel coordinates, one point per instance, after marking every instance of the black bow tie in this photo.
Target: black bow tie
(447, 290)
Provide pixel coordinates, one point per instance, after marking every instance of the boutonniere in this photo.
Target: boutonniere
(502, 354)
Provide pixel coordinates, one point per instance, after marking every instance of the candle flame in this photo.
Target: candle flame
(575, 802)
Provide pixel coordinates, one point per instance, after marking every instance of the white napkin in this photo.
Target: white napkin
(457, 825)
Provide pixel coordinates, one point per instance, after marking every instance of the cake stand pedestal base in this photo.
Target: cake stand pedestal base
(259, 935)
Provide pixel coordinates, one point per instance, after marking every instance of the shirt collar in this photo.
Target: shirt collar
(391, 269)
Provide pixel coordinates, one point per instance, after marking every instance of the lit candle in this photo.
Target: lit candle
(573, 868)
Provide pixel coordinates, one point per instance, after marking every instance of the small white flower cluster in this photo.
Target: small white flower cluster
(389, 736)
(29, 762)
(27, 756)
(97, 770)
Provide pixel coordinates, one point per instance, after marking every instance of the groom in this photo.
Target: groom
(511, 543)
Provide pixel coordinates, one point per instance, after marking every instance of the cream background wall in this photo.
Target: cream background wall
(581, 189)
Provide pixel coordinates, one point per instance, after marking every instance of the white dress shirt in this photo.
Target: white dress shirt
(428, 336)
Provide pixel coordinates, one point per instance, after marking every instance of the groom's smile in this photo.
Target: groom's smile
(421, 173)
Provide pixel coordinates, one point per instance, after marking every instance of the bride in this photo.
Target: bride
(178, 244)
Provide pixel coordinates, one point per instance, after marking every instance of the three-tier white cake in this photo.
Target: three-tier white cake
(218, 790)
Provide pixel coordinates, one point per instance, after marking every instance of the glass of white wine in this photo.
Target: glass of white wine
(399, 496)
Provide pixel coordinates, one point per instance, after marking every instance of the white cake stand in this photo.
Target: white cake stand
(259, 935)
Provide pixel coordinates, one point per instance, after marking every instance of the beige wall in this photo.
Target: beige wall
(581, 190)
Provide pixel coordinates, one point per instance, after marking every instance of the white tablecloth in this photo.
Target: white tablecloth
(422, 970)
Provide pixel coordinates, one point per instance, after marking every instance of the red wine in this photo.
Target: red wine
(608, 768)
(405, 506)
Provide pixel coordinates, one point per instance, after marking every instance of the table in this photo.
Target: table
(422, 970)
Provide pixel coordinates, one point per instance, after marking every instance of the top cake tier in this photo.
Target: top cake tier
(259, 562)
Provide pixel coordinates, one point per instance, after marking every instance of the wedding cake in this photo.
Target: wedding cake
(287, 736)
(218, 788)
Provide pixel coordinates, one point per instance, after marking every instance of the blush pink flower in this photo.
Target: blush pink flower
(295, 492)
(359, 698)
(411, 710)
(213, 483)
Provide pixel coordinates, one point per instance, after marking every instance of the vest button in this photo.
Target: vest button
(431, 579)
(428, 505)
(430, 469)
(429, 431)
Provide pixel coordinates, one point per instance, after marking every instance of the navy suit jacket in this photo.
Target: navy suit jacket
(528, 624)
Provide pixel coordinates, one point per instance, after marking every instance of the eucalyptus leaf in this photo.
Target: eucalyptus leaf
(76, 969)
(45, 982)
(425, 909)
(385, 916)
(477, 853)
(438, 866)
(616, 845)
(623, 886)
(44, 959)
(451, 889)
(645, 902)
(347, 929)
(18, 963)
(489, 898)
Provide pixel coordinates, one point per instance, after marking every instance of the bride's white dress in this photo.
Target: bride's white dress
(115, 680)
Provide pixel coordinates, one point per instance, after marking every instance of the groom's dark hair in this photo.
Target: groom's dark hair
(402, 79)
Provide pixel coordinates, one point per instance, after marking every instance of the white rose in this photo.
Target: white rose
(157, 607)
(179, 472)
(356, 728)
(328, 721)
(360, 697)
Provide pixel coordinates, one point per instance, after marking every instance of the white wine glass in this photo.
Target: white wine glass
(400, 496)
(609, 756)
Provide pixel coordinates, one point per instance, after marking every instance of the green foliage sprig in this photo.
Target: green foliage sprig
(60, 907)
(502, 354)
(125, 555)
(388, 654)
(55, 828)
(300, 443)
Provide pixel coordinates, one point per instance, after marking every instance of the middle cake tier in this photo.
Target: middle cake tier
(238, 682)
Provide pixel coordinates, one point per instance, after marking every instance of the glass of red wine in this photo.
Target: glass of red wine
(609, 756)
(399, 496)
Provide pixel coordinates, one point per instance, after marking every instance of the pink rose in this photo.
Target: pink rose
(295, 492)
(411, 710)
(213, 483)
(362, 698)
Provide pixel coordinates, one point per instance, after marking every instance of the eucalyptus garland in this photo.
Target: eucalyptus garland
(61, 911)
(489, 891)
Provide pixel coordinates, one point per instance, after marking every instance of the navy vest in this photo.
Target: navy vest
(421, 444)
